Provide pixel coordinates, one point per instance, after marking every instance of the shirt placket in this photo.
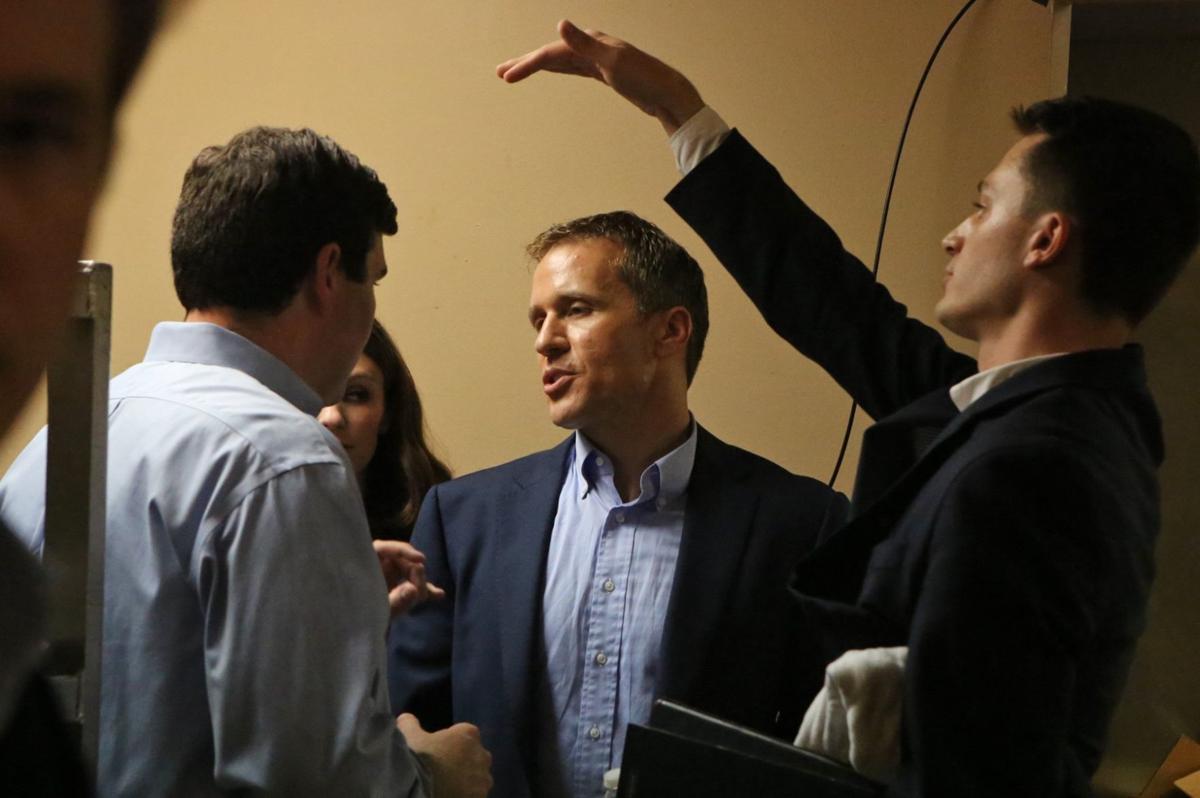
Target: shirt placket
(601, 658)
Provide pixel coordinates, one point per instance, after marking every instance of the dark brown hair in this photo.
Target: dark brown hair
(403, 468)
(1130, 180)
(254, 213)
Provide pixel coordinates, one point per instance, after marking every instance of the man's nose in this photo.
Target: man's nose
(332, 417)
(550, 340)
(952, 243)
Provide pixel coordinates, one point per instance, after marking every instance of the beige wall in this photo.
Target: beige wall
(477, 168)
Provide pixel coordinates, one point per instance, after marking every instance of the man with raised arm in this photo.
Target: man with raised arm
(1004, 514)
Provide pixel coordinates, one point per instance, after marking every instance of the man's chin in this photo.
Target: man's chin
(564, 418)
(962, 329)
(947, 317)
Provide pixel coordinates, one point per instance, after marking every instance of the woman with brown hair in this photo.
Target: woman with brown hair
(380, 423)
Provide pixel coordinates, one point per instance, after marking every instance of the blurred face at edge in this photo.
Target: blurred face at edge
(55, 132)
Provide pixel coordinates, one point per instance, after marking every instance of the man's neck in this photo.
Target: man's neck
(635, 446)
(1051, 335)
(262, 334)
(274, 334)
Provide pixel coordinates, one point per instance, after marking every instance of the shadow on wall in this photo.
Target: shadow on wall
(1152, 58)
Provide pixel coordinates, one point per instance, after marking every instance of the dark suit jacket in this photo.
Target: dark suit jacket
(729, 642)
(1009, 546)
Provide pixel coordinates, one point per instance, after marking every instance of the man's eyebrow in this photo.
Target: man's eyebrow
(578, 296)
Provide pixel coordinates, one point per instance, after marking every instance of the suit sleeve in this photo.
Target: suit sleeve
(803, 668)
(1032, 560)
(813, 293)
(420, 643)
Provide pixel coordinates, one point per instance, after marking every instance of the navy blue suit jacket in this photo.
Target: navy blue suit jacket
(1010, 546)
(732, 644)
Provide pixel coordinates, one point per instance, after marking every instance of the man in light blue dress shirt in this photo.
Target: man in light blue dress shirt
(641, 558)
(244, 607)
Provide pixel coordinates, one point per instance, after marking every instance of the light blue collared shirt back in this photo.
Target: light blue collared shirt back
(609, 574)
(245, 610)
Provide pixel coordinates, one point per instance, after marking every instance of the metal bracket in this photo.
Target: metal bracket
(76, 478)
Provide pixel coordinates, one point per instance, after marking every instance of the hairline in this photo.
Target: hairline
(619, 261)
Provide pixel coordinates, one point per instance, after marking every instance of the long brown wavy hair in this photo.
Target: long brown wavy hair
(403, 468)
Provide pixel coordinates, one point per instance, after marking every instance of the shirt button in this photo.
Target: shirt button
(620, 518)
(600, 658)
(608, 586)
(661, 503)
(594, 732)
(599, 461)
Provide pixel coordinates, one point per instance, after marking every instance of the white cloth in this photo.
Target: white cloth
(856, 717)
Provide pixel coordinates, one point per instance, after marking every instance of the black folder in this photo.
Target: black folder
(684, 752)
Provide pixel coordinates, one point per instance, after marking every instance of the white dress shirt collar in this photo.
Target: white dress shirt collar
(967, 392)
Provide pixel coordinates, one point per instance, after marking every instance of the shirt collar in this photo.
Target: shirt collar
(967, 392)
(663, 481)
(212, 345)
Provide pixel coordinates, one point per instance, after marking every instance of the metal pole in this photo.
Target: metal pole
(76, 476)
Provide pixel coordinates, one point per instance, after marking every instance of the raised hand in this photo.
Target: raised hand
(648, 83)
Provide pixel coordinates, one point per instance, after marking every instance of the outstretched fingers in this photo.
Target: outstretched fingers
(576, 53)
(648, 83)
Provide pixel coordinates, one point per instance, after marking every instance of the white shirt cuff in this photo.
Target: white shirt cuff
(697, 138)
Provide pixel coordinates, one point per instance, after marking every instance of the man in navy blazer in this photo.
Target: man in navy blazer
(640, 558)
(1004, 513)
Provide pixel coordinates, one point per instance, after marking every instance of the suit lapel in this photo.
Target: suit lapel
(892, 446)
(836, 569)
(525, 518)
(717, 522)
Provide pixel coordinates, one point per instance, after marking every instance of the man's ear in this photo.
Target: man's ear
(675, 331)
(1048, 239)
(323, 279)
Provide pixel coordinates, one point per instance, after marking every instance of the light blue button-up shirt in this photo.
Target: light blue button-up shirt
(244, 609)
(609, 574)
